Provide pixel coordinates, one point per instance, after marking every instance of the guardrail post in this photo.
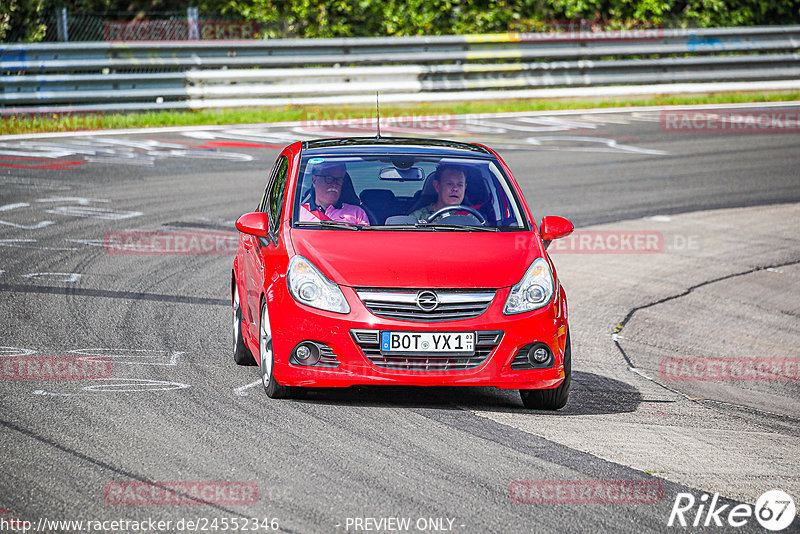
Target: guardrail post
(61, 23)
(193, 19)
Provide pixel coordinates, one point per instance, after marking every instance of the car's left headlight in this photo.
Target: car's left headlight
(533, 291)
(310, 287)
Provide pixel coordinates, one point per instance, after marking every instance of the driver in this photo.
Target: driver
(450, 185)
(324, 204)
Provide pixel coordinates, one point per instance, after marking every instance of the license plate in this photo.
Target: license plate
(428, 342)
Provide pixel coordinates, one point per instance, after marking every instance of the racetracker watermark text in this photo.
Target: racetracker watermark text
(181, 493)
(729, 369)
(616, 242)
(55, 368)
(585, 491)
(734, 122)
(194, 524)
(325, 120)
(644, 34)
(170, 242)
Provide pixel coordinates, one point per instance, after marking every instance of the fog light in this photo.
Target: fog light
(537, 355)
(307, 354)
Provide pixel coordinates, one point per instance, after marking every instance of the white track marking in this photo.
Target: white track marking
(242, 391)
(89, 242)
(9, 207)
(20, 243)
(41, 224)
(190, 130)
(120, 385)
(43, 392)
(207, 154)
(93, 212)
(114, 151)
(16, 351)
(13, 149)
(606, 119)
(558, 122)
(124, 159)
(242, 134)
(609, 145)
(55, 277)
(80, 200)
(134, 356)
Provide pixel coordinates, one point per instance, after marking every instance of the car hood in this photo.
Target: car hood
(400, 259)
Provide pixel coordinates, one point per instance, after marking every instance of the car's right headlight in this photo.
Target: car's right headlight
(533, 291)
(310, 287)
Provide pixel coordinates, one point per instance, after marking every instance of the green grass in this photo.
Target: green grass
(66, 122)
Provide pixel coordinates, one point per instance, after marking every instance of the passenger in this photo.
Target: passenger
(324, 202)
(450, 185)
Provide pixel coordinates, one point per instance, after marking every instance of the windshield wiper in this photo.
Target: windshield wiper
(405, 227)
(331, 224)
(439, 226)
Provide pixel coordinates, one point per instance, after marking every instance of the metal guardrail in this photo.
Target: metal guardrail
(192, 74)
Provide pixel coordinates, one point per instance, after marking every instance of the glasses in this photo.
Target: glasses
(330, 179)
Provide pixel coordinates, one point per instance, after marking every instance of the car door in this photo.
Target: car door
(259, 265)
(247, 260)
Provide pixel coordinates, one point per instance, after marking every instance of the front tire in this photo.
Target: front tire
(241, 354)
(551, 399)
(267, 359)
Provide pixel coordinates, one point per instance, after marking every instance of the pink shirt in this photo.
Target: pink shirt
(346, 213)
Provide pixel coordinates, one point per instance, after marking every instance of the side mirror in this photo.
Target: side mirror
(255, 223)
(554, 227)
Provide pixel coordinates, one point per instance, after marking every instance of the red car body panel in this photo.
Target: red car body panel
(396, 260)
(411, 260)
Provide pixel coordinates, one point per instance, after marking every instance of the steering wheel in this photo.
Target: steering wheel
(460, 207)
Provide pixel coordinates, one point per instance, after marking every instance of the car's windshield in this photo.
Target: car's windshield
(405, 192)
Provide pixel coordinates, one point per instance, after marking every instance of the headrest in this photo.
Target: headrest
(477, 191)
(348, 195)
(377, 196)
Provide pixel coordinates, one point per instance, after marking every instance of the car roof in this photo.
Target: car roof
(392, 145)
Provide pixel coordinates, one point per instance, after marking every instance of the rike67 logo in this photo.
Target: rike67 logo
(774, 510)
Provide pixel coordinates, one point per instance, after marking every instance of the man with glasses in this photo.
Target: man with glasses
(324, 204)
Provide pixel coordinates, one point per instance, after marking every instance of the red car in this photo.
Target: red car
(402, 262)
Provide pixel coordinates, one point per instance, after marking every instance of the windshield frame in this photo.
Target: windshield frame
(504, 185)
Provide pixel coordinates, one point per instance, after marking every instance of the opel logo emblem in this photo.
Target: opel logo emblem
(427, 301)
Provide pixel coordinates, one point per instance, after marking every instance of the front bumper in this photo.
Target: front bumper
(293, 323)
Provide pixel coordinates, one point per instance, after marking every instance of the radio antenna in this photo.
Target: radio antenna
(378, 107)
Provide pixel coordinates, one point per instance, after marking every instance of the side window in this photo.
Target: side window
(262, 206)
(275, 192)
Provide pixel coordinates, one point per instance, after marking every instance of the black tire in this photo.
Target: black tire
(267, 359)
(241, 354)
(551, 399)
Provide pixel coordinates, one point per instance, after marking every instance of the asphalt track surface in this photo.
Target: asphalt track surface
(176, 408)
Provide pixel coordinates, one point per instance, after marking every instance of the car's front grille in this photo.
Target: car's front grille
(451, 304)
(369, 342)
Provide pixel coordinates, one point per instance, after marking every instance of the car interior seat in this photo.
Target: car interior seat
(382, 202)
